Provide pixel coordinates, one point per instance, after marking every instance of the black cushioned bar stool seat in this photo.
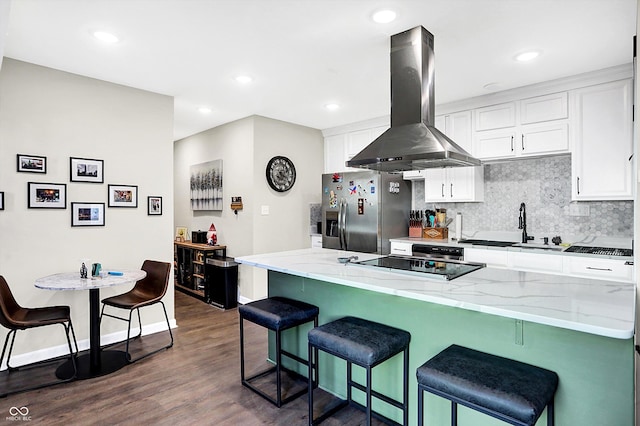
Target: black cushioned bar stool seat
(277, 314)
(509, 390)
(367, 344)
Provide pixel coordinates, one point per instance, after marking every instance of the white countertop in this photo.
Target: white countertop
(604, 308)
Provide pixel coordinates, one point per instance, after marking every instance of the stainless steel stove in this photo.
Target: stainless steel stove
(605, 251)
(433, 268)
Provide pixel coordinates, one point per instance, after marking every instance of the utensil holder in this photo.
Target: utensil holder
(435, 233)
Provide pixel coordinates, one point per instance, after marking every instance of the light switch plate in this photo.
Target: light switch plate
(264, 210)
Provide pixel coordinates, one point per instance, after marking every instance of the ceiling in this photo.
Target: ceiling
(304, 54)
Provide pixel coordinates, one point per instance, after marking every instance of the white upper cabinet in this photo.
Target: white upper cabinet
(529, 127)
(455, 183)
(342, 147)
(603, 146)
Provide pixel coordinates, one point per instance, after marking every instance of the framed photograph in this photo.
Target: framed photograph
(86, 170)
(123, 196)
(181, 233)
(206, 186)
(47, 195)
(1, 200)
(87, 214)
(154, 206)
(31, 163)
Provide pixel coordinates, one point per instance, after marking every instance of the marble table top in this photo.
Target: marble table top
(72, 280)
(604, 308)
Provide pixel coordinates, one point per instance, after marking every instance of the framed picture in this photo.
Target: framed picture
(1, 200)
(86, 170)
(47, 195)
(181, 233)
(154, 206)
(31, 163)
(206, 186)
(87, 214)
(123, 196)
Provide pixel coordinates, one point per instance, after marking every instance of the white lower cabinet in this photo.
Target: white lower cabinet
(604, 269)
(316, 241)
(536, 262)
(492, 258)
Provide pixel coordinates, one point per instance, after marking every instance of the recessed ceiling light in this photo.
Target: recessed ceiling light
(384, 16)
(492, 87)
(527, 56)
(332, 107)
(105, 36)
(244, 79)
(204, 110)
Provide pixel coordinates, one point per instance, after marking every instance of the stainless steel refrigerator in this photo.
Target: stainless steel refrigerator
(362, 210)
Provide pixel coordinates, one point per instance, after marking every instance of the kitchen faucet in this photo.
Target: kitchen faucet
(522, 223)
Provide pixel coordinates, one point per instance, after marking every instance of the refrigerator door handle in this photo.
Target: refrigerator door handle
(342, 224)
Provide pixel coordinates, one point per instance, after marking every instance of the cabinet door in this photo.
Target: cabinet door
(465, 183)
(536, 262)
(495, 144)
(601, 165)
(493, 258)
(544, 139)
(496, 117)
(334, 153)
(458, 128)
(544, 108)
(434, 185)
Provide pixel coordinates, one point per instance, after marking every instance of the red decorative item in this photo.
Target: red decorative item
(212, 235)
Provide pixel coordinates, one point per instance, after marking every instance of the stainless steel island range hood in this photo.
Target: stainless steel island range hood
(412, 142)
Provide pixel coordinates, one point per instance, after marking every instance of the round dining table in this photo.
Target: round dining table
(97, 362)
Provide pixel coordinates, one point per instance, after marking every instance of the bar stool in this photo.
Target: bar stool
(509, 390)
(277, 314)
(367, 344)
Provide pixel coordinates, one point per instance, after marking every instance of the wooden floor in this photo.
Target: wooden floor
(195, 382)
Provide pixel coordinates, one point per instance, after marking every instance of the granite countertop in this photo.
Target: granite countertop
(604, 308)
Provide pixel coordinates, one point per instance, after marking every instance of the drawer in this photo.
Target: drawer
(403, 249)
(604, 269)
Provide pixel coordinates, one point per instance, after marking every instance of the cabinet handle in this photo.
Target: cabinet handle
(443, 190)
(511, 143)
(578, 184)
(522, 142)
(600, 269)
(451, 190)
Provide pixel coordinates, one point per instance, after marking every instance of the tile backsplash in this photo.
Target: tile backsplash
(544, 184)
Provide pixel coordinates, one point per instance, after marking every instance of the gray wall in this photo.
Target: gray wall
(245, 146)
(544, 184)
(58, 115)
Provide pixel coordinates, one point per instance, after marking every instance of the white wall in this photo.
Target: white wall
(59, 115)
(245, 146)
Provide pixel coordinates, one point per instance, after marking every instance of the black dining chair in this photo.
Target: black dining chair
(148, 291)
(14, 317)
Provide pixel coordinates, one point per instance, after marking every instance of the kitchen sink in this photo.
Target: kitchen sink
(536, 246)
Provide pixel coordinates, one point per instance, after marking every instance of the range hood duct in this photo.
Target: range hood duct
(412, 142)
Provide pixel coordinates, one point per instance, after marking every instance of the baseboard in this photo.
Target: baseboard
(63, 350)
(244, 300)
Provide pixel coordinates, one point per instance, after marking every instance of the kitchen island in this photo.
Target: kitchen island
(580, 328)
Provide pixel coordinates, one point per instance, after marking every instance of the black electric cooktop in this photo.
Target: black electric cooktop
(441, 269)
(605, 251)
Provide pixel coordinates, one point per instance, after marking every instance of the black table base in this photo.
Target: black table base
(110, 361)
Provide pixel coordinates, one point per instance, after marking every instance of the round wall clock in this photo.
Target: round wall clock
(281, 173)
